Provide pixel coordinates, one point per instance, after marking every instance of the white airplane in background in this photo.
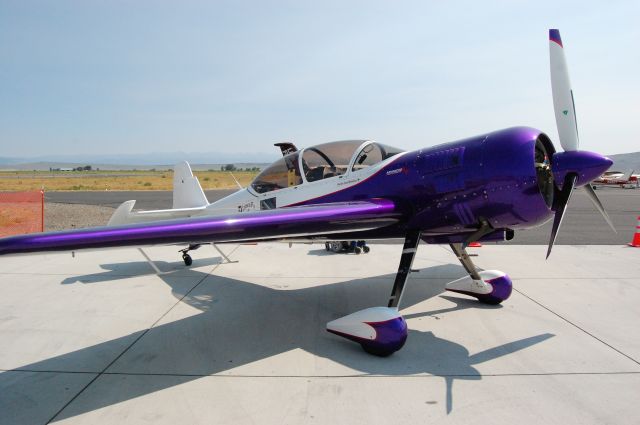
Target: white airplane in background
(617, 179)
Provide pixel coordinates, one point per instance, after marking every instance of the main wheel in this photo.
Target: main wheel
(377, 351)
(187, 259)
(366, 249)
(327, 246)
(357, 250)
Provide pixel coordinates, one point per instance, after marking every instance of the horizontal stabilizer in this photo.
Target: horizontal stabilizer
(121, 215)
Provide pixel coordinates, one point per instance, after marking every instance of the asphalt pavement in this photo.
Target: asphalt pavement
(582, 224)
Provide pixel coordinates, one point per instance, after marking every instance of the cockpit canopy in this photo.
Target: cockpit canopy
(321, 162)
(283, 173)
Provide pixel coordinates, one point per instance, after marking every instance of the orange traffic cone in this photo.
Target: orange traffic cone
(475, 245)
(636, 237)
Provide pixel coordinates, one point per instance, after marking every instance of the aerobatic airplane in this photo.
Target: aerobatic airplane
(483, 188)
(617, 179)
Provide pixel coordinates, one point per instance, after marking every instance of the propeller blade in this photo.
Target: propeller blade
(560, 206)
(563, 103)
(596, 202)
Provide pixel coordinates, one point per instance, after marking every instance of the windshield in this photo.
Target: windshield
(279, 175)
(372, 154)
(328, 160)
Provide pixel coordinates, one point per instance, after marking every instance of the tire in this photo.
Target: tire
(187, 259)
(376, 351)
(357, 250)
(366, 249)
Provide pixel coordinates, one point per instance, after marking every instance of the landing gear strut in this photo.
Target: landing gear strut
(382, 330)
(411, 241)
(185, 254)
(461, 252)
(488, 286)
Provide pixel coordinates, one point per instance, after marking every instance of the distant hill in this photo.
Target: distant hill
(45, 166)
(139, 161)
(8, 161)
(626, 162)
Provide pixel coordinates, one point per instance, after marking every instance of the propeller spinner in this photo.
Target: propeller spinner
(573, 168)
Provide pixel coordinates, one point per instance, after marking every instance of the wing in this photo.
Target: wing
(300, 221)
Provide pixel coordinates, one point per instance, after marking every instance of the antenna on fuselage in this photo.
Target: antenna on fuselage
(236, 180)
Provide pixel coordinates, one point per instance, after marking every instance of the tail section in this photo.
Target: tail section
(188, 200)
(122, 214)
(187, 192)
(627, 176)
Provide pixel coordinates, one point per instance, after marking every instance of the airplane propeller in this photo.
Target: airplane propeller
(567, 125)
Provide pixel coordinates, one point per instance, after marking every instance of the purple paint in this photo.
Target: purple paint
(502, 287)
(494, 178)
(278, 223)
(391, 336)
(587, 165)
(501, 291)
(554, 35)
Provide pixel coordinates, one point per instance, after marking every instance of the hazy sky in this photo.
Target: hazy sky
(137, 76)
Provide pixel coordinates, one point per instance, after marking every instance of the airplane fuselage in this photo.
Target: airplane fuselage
(446, 189)
(497, 182)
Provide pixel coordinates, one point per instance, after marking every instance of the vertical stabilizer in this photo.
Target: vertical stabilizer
(627, 177)
(187, 192)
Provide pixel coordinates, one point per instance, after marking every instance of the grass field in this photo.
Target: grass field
(114, 180)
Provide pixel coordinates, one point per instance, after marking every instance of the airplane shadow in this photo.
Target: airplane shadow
(241, 323)
(323, 252)
(118, 271)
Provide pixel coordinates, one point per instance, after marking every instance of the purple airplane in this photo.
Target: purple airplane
(483, 188)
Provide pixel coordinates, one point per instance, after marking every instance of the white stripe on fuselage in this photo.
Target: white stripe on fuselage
(247, 199)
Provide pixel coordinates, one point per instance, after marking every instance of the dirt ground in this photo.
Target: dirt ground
(74, 216)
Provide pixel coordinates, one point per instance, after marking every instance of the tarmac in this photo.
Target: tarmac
(100, 339)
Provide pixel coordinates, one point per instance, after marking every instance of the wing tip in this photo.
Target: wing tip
(554, 35)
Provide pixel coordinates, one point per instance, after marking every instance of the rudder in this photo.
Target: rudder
(187, 192)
